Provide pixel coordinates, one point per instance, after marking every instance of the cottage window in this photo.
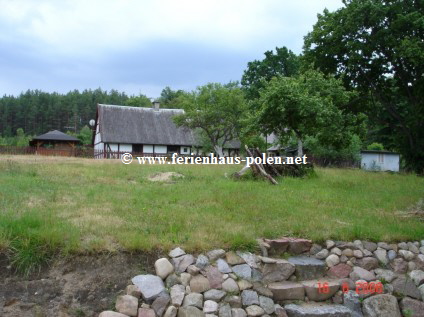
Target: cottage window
(380, 158)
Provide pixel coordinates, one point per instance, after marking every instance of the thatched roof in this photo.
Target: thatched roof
(55, 135)
(136, 125)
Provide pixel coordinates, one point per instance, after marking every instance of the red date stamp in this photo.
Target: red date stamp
(361, 288)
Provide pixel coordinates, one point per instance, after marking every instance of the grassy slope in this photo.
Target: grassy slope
(87, 205)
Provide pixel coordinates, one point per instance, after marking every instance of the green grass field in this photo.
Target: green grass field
(81, 205)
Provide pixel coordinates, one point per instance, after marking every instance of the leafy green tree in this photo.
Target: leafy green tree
(215, 109)
(281, 63)
(21, 138)
(308, 105)
(169, 98)
(138, 101)
(85, 135)
(375, 146)
(377, 48)
(350, 152)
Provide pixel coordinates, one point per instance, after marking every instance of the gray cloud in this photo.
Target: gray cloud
(55, 48)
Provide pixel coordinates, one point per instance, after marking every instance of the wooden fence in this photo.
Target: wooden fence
(87, 152)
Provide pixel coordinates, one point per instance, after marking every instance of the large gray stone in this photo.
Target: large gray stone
(127, 305)
(321, 255)
(229, 285)
(368, 263)
(412, 307)
(214, 276)
(190, 311)
(308, 268)
(146, 312)
(399, 266)
(262, 290)
(381, 256)
(233, 259)
(202, 261)
(280, 311)
(332, 260)
(359, 273)
(199, 284)
(225, 310)
(243, 284)
(256, 275)
(287, 290)
(267, 304)
(149, 285)
(417, 276)
(391, 254)
(238, 312)
(250, 259)
(243, 271)
(249, 297)
(185, 278)
(215, 254)
(313, 310)
(172, 279)
(340, 270)
(175, 253)
(370, 246)
(314, 293)
(214, 294)
(193, 299)
(407, 255)
(223, 266)
(279, 271)
(210, 307)
(177, 294)
(277, 246)
(254, 311)
(160, 303)
(404, 285)
(381, 305)
(234, 301)
(351, 300)
(413, 248)
(182, 262)
(386, 275)
(171, 311)
(163, 268)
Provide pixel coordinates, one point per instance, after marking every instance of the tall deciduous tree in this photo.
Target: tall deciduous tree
(215, 109)
(308, 105)
(281, 63)
(377, 46)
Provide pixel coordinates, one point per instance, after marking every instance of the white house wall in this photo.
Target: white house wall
(147, 148)
(185, 150)
(98, 144)
(371, 161)
(161, 149)
(125, 147)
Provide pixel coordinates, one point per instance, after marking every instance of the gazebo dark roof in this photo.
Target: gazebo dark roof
(55, 135)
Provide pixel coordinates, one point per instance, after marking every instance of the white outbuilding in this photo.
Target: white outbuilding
(373, 160)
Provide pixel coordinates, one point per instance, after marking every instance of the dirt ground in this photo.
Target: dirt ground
(80, 286)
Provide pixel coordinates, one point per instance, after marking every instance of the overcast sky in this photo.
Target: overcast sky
(140, 46)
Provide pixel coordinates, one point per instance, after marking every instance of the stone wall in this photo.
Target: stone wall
(291, 277)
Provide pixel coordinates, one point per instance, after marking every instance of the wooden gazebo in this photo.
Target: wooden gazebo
(55, 143)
